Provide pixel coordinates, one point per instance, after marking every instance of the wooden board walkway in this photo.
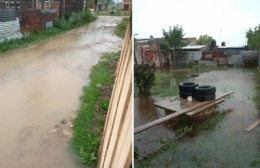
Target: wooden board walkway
(180, 112)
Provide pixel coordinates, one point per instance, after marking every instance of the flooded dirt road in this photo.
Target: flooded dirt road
(40, 86)
(222, 141)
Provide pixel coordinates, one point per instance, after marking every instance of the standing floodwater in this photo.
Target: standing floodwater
(40, 86)
(219, 142)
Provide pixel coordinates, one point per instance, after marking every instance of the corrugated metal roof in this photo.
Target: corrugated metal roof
(232, 47)
(195, 47)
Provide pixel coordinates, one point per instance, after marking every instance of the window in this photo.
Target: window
(12, 4)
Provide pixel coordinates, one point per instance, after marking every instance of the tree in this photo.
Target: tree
(253, 38)
(174, 38)
(204, 39)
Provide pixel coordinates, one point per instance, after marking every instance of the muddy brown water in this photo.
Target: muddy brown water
(224, 145)
(40, 86)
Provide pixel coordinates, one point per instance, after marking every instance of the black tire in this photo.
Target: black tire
(186, 94)
(187, 86)
(205, 97)
(205, 90)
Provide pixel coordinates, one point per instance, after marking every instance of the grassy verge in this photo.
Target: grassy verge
(121, 28)
(162, 85)
(89, 123)
(60, 26)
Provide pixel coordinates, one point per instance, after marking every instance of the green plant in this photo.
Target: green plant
(121, 28)
(255, 163)
(183, 131)
(144, 78)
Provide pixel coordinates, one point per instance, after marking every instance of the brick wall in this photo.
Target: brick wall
(34, 20)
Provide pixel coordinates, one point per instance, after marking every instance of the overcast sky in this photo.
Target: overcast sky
(225, 19)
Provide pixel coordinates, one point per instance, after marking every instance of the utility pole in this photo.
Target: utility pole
(97, 10)
(64, 8)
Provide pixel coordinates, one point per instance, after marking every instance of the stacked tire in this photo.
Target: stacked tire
(205, 93)
(187, 89)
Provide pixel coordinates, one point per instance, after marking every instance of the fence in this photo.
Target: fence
(9, 25)
(116, 145)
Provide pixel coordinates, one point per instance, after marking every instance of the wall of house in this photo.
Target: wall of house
(193, 56)
(71, 6)
(250, 58)
(34, 20)
(10, 30)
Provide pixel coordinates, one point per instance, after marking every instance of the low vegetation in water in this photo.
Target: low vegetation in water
(167, 146)
(121, 27)
(162, 85)
(60, 26)
(257, 96)
(89, 123)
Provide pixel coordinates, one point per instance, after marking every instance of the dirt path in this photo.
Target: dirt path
(40, 86)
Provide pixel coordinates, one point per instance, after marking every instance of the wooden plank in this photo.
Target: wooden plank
(204, 107)
(168, 105)
(251, 127)
(168, 117)
(116, 144)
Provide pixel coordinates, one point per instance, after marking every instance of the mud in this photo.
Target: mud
(224, 145)
(40, 86)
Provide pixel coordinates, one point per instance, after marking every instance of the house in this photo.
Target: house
(147, 52)
(67, 7)
(191, 41)
(127, 5)
(188, 54)
(18, 5)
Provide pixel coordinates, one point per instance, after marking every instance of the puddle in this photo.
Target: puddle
(225, 144)
(40, 86)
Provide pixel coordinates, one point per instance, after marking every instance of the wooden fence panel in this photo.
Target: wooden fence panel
(116, 146)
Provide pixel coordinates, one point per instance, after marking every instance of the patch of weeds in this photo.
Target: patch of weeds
(197, 162)
(192, 126)
(104, 103)
(63, 122)
(167, 146)
(183, 131)
(88, 125)
(255, 163)
(162, 85)
(121, 28)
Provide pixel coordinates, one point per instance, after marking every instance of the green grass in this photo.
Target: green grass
(89, 123)
(60, 26)
(121, 28)
(162, 85)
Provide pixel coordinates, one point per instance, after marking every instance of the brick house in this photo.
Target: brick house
(127, 5)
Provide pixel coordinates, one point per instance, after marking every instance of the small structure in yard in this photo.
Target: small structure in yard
(192, 54)
(35, 20)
